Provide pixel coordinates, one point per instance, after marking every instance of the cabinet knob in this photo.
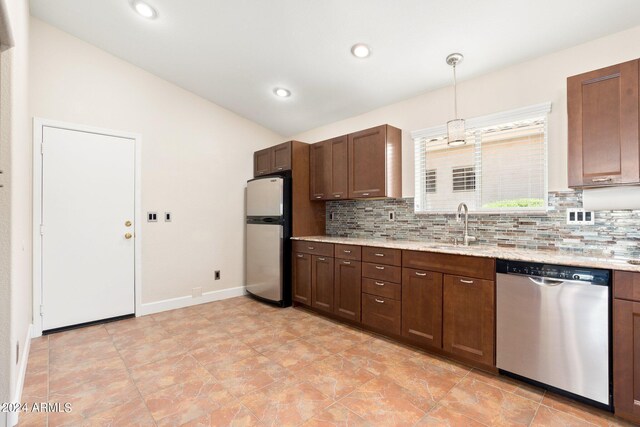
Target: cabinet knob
(379, 267)
(379, 301)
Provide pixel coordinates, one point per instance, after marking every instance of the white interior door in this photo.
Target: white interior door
(88, 198)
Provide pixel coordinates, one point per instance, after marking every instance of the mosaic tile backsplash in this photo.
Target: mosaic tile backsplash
(615, 233)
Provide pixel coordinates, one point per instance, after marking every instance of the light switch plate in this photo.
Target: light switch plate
(152, 217)
(576, 216)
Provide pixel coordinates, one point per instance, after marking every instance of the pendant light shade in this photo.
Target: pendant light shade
(456, 132)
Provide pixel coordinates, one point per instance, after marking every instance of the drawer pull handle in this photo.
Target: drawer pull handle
(607, 179)
(322, 259)
(379, 254)
(336, 195)
(300, 256)
(380, 301)
(346, 262)
(420, 274)
(318, 197)
(469, 282)
(636, 402)
(379, 267)
(365, 194)
(280, 168)
(346, 251)
(310, 248)
(379, 283)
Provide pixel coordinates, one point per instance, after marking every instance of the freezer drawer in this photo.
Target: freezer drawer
(264, 261)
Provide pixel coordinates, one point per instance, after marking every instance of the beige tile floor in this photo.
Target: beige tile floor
(239, 362)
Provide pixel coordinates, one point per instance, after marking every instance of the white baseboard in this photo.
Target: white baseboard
(12, 417)
(187, 301)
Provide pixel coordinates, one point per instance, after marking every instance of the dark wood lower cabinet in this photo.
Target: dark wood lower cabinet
(322, 283)
(301, 278)
(348, 285)
(626, 359)
(422, 306)
(469, 318)
(382, 314)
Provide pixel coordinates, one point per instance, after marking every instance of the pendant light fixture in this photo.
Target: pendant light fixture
(455, 128)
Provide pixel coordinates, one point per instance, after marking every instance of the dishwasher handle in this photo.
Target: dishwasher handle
(545, 281)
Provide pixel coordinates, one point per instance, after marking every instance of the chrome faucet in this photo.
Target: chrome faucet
(466, 239)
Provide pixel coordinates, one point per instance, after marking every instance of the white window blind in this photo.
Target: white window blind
(502, 167)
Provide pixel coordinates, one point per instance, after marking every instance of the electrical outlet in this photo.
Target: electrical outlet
(217, 275)
(392, 216)
(152, 217)
(332, 216)
(577, 216)
(167, 217)
(196, 292)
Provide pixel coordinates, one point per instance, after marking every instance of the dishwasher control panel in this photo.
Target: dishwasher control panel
(560, 272)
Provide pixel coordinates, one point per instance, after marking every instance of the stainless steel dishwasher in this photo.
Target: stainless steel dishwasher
(553, 327)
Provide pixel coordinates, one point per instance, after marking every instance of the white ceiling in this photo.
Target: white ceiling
(234, 52)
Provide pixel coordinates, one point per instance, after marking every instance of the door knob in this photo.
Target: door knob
(128, 236)
(127, 224)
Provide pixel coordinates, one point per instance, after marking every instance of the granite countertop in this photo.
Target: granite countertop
(531, 255)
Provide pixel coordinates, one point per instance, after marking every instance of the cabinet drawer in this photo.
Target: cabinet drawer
(471, 266)
(381, 288)
(626, 285)
(383, 272)
(381, 313)
(314, 248)
(382, 255)
(348, 252)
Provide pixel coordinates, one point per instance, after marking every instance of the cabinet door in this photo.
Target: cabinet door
(469, 318)
(322, 283)
(348, 278)
(422, 306)
(339, 168)
(281, 158)
(626, 359)
(262, 162)
(320, 170)
(301, 277)
(603, 126)
(367, 163)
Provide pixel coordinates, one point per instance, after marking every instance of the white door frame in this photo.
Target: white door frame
(38, 124)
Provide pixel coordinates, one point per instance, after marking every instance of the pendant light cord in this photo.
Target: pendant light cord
(455, 93)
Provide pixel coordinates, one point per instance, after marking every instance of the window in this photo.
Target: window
(502, 167)
(430, 181)
(464, 178)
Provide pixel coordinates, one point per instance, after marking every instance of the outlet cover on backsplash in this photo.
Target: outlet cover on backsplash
(614, 233)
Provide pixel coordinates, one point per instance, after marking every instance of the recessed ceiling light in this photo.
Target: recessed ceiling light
(360, 50)
(144, 9)
(282, 92)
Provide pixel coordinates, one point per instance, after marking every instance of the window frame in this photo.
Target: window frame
(419, 137)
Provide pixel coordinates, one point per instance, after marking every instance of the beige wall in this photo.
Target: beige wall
(15, 202)
(539, 80)
(196, 157)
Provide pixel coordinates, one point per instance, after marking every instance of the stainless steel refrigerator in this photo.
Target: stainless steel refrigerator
(268, 229)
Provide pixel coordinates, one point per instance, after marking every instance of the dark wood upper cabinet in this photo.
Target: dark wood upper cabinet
(328, 168)
(604, 143)
(281, 158)
(320, 170)
(339, 168)
(469, 318)
(301, 278)
(422, 306)
(262, 162)
(322, 283)
(348, 286)
(375, 162)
